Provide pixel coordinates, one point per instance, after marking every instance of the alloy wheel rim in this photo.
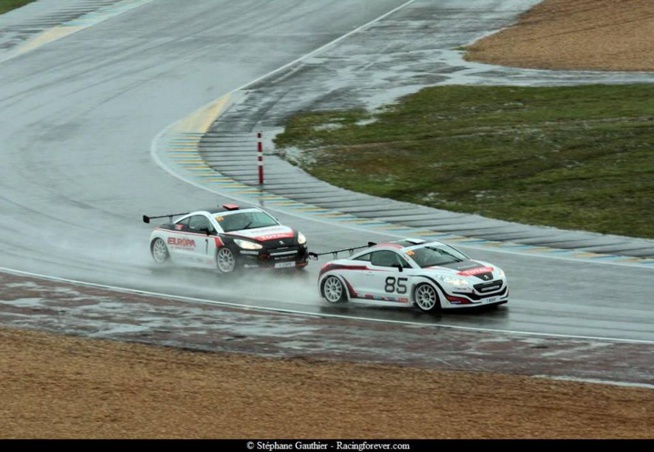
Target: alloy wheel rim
(159, 251)
(225, 261)
(333, 289)
(426, 298)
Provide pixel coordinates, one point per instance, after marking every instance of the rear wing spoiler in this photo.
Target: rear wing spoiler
(334, 253)
(146, 218)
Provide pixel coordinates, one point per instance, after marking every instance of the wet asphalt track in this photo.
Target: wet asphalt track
(90, 122)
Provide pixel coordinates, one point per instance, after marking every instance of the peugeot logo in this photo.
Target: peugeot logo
(281, 242)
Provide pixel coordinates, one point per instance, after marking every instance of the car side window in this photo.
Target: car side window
(386, 258)
(182, 225)
(365, 257)
(200, 223)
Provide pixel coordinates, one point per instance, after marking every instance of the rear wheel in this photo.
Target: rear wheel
(225, 260)
(333, 290)
(426, 298)
(159, 251)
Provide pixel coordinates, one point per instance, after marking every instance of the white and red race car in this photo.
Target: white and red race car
(227, 238)
(428, 275)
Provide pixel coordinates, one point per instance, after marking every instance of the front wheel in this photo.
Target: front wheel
(426, 298)
(159, 251)
(333, 290)
(225, 260)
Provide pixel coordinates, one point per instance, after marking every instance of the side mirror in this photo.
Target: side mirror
(399, 267)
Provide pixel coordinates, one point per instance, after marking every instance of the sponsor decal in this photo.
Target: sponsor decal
(382, 298)
(181, 242)
(218, 242)
(476, 271)
(265, 234)
(281, 235)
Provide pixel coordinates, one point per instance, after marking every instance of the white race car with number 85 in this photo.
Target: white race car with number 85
(428, 275)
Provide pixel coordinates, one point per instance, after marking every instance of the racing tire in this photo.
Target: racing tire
(333, 290)
(159, 251)
(426, 298)
(225, 260)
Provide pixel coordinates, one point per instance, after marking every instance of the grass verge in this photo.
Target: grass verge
(570, 157)
(8, 5)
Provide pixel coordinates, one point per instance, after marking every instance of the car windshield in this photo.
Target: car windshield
(239, 221)
(433, 255)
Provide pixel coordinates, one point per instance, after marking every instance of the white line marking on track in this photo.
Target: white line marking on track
(309, 314)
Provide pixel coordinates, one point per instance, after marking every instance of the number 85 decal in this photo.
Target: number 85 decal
(395, 285)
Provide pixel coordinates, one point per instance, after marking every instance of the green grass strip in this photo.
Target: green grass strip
(8, 5)
(570, 157)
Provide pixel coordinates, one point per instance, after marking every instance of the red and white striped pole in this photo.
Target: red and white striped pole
(260, 158)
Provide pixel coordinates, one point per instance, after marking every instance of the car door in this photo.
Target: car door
(201, 240)
(386, 279)
(176, 240)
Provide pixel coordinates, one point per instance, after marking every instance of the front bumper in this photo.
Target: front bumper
(287, 257)
(471, 299)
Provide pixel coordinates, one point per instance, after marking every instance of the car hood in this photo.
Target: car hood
(468, 268)
(266, 234)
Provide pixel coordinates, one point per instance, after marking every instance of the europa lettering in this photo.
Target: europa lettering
(183, 243)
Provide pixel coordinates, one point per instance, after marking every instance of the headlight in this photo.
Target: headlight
(301, 239)
(500, 273)
(246, 245)
(458, 282)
